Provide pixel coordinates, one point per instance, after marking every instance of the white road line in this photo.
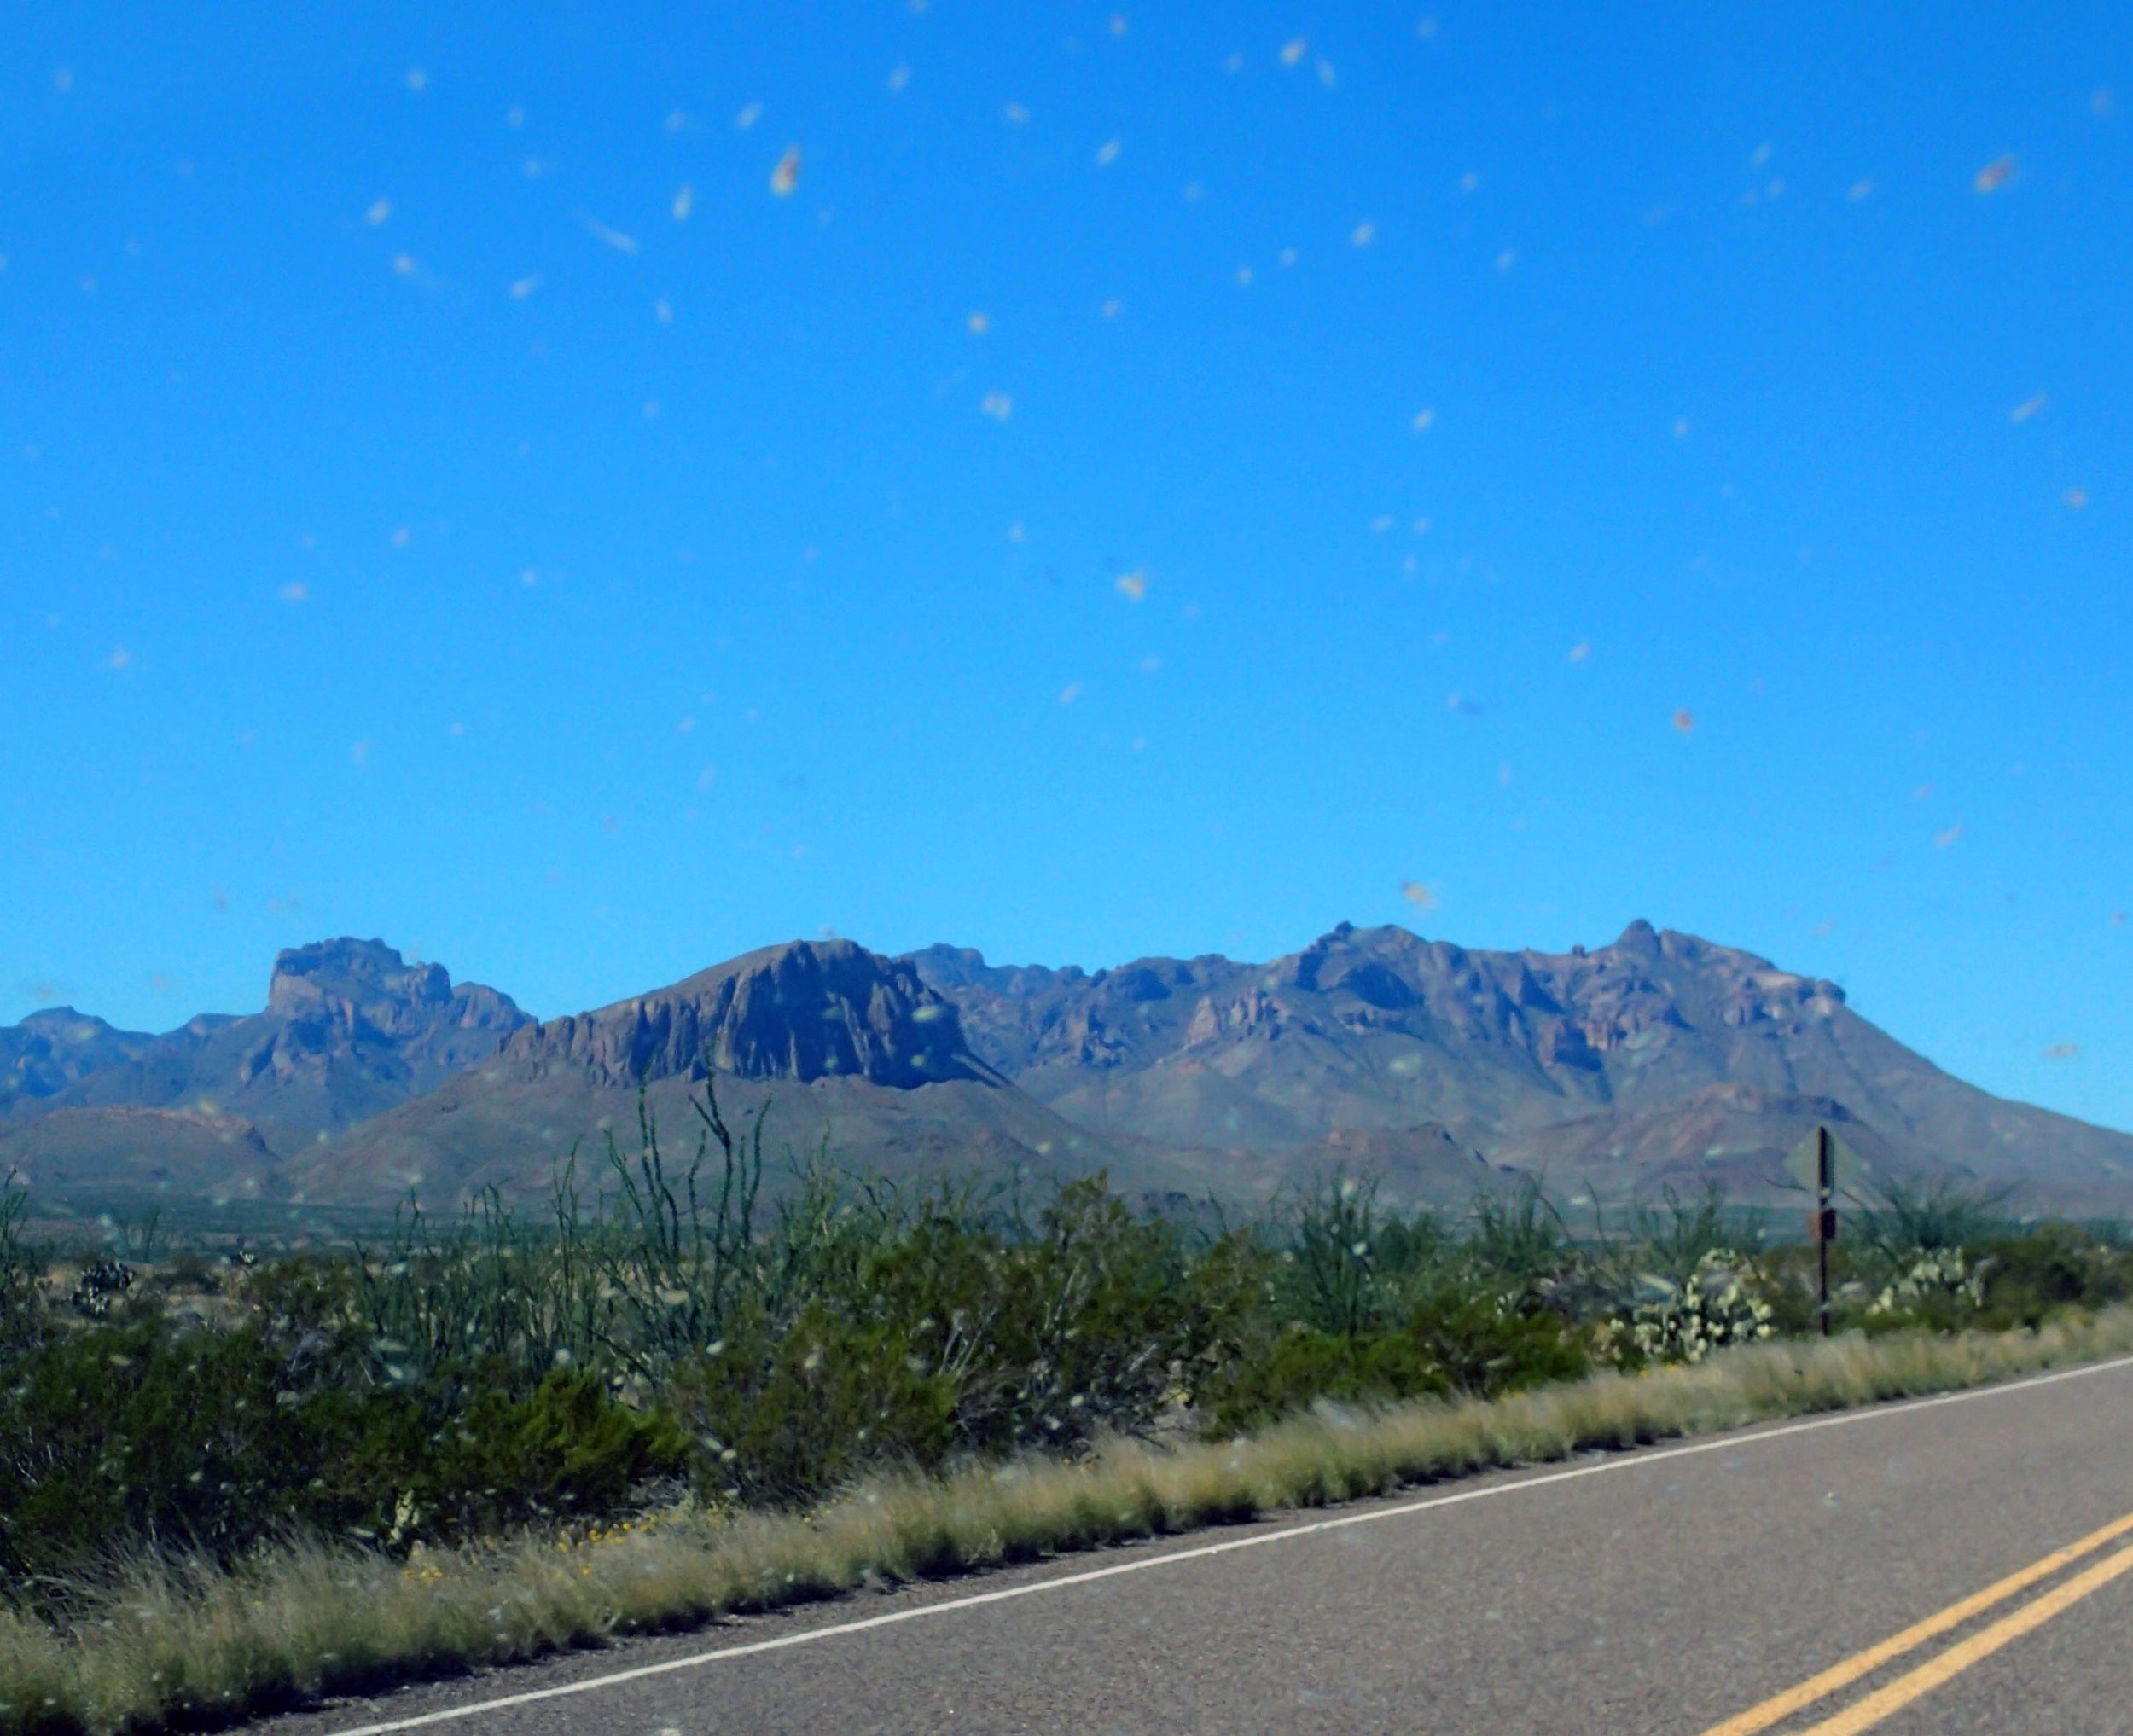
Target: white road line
(1200, 1551)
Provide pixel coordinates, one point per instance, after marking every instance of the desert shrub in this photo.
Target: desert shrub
(1487, 1350)
(192, 1273)
(1458, 1344)
(566, 1447)
(22, 1276)
(1337, 1265)
(2031, 1277)
(1518, 1249)
(305, 1298)
(950, 1332)
(1301, 1364)
(1912, 1218)
(211, 1441)
(780, 1421)
(132, 1431)
(1094, 1311)
(1329, 1281)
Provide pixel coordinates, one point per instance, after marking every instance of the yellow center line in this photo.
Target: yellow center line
(1983, 1644)
(1840, 1675)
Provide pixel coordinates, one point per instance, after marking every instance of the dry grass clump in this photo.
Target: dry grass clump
(167, 1641)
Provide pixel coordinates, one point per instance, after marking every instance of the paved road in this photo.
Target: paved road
(1658, 1594)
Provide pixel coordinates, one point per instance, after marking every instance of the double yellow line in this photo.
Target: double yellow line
(1864, 1714)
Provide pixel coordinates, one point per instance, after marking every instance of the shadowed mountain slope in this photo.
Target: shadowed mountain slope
(196, 1154)
(56, 1048)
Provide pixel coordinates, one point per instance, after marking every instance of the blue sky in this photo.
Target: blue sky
(420, 517)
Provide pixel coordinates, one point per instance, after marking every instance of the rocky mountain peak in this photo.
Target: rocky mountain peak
(348, 990)
(64, 1025)
(804, 1010)
(54, 1047)
(345, 978)
(1640, 937)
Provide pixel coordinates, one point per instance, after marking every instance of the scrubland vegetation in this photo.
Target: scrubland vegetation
(227, 1481)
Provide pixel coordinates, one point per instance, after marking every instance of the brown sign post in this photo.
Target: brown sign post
(1824, 1162)
(1821, 1220)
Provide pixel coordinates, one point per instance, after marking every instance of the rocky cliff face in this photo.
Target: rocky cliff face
(341, 1004)
(349, 1029)
(837, 1048)
(804, 1011)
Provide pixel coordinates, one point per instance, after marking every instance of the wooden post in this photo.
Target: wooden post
(1825, 1215)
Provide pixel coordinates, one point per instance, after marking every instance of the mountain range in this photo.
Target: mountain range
(1659, 1059)
(351, 1028)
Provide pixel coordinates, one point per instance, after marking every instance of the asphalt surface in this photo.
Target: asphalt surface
(1660, 1592)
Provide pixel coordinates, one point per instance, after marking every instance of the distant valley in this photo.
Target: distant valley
(1660, 1059)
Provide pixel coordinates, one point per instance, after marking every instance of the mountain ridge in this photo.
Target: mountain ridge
(1523, 1055)
(1659, 1059)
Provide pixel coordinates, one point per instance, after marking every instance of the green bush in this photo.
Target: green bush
(958, 1336)
(1462, 1346)
(211, 1441)
(1486, 1353)
(566, 1447)
(1302, 1365)
(2000, 1282)
(783, 1421)
(2030, 1278)
(129, 1430)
